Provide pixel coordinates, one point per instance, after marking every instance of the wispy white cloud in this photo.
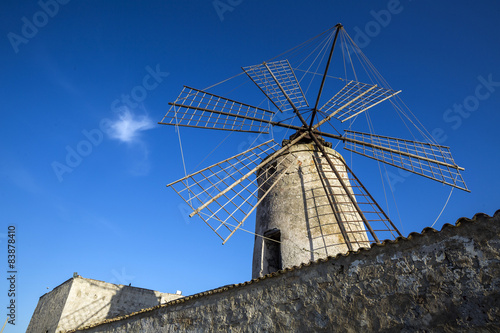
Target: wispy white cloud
(128, 126)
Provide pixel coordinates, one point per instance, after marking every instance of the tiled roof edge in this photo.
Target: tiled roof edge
(427, 230)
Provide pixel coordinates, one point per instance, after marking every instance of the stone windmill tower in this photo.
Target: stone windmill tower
(307, 215)
(307, 201)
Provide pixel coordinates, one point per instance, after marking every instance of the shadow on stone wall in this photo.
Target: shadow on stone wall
(127, 298)
(93, 301)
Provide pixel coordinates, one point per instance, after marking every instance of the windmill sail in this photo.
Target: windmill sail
(371, 96)
(425, 159)
(226, 193)
(375, 224)
(198, 108)
(278, 81)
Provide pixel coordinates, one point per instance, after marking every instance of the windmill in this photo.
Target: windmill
(308, 202)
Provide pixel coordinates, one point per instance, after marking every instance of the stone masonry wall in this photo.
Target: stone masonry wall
(80, 301)
(435, 281)
(49, 309)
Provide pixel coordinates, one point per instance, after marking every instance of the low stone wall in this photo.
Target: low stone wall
(435, 281)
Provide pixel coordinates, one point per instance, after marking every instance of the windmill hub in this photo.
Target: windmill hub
(306, 139)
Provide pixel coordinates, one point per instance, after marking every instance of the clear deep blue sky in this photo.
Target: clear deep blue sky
(107, 214)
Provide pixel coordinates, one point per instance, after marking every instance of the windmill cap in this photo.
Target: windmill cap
(306, 139)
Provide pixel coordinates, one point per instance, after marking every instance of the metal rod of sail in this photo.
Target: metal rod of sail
(281, 88)
(227, 159)
(258, 202)
(343, 107)
(372, 105)
(373, 199)
(344, 186)
(269, 98)
(302, 120)
(228, 99)
(220, 112)
(201, 109)
(339, 26)
(335, 210)
(371, 145)
(343, 138)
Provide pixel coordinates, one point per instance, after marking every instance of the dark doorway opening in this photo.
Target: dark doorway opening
(272, 251)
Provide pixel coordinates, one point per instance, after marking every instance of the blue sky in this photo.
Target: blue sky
(84, 167)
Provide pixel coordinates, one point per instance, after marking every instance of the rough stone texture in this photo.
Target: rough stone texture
(79, 302)
(49, 308)
(445, 281)
(298, 206)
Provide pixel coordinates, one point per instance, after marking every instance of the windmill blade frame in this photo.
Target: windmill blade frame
(201, 109)
(372, 216)
(223, 192)
(372, 95)
(425, 159)
(277, 80)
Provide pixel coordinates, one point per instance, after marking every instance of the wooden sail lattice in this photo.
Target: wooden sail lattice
(425, 159)
(197, 108)
(226, 193)
(369, 220)
(270, 76)
(372, 95)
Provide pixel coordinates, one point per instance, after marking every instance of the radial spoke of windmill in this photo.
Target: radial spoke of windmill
(197, 188)
(251, 156)
(425, 159)
(278, 82)
(339, 27)
(333, 136)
